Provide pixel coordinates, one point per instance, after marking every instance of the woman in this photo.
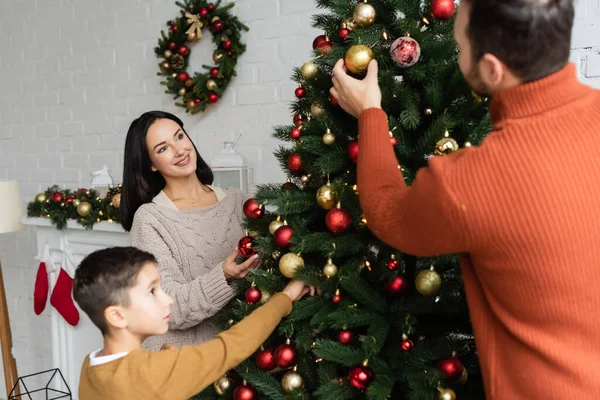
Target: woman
(171, 211)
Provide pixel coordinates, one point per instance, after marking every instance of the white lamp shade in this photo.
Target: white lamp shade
(11, 207)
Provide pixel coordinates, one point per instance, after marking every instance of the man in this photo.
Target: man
(523, 209)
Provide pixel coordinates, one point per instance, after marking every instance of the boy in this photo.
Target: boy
(119, 289)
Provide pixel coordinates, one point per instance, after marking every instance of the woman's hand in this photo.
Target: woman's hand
(295, 290)
(235, 271)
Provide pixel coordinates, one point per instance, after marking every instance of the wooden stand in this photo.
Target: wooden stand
(8, 361)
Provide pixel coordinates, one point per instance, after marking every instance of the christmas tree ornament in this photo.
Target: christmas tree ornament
(345, 336)
(289, 264)
(252, 209)
(348, 23)
(328, 138)
(428, 282)
(273, 226)
(406, 344)
(211, 85)
(289, 185)
(213, 98)
(364, 14)
(300, 92)
(57, 197)
(182, 92)
(245, 246)
(294, 163)
(115, 201)
(327, 196)
(276, 254)
(405, 51)
(298, 120)
(295, 133)
(222, 385)
(253, 295)
(168, 54)
(192, 37)
(40, 197)
(177, 61)
(428, 111)
(265, 297)
(446, 394)
(338, 220)
(182, 76)
(442, 9)
(451, 368)
(285, 355)
(214, 72)
(226, 44)
(174, 27)
(392, 263)
(244, 392)
(76, 203)
(309, 70)
(172, 45)
(84, 209)
(396, 286)
(265, 360)
(291, 380)
(357, 58)
(334, 102)
(343, 33)
(330, 269)
(218, 56)
(445, 145)
(183, 50)
(337, 297)
(190, 104)
(352, 150)
(317, 111)
(305, 179)
(69, 199)
(361, 376)
(322, 43)
(217, 26)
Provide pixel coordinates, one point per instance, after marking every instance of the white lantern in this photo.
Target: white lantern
(101, 181)
(230, 169)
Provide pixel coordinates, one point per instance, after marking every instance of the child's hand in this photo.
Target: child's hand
(295, 290)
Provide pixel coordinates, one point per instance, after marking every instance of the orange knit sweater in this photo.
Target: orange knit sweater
(523, 210)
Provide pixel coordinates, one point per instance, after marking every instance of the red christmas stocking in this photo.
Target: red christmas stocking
(61, 298)
(40, 292)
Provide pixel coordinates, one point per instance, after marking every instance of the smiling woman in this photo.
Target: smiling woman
(171, 210)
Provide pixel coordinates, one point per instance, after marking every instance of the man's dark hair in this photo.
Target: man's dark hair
(103, 278)
(531, 37)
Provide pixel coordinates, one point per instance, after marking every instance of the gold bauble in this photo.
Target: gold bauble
(189, 83)
(265, 297)
(168, 53)
(328, 138)
(428, 282)
(289, 263)
(446, 394)
(357, 58)
(273, 226)
(327, 196)
(190, 104)
(192, 37)
(364, 14)
(445, 145)
(164, 66)
(211, 85)
(309, 70)
(305, 179)
(76, 203)
(116, 200)
(316, 110)
(222, 385)
(330, 269)
(182, 92)
(276, 254)
(291, 380)
(40, 198)
(215, 18)
(84, 209)
(217, 56)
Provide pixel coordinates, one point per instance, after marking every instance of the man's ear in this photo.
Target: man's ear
(492, 71)
(115, 317)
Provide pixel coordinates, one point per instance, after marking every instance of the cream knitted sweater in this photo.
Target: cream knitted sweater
(190, 247)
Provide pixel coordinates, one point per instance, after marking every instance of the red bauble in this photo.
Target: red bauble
(336, 298)
(252, 209)
(183, 50)
(361, 377)
(265, 360)
(172, 45)
(442, 9)
(300, 92)
(326, 47)
(352, 150)
(229, 53)
(396, 286)
(451, 367)
(393, 141)
(338, 220)
(294, 163)
(174, 27)
(295, 133)
(405, 51)
(392, 264)
(244, 392)
(246, 246)
(345, 336)
(334, 101)
(217, 26)
(226, 44)
(214, 72)
(344, 32)
(298, 120)
(253, 295)
(285, 356)
(182, 76)
(196, 100)
(407, 344)
(69, 199)
(319, 40)
(57, 197)
(283, 235)
(211, 6)
(213, 97)
(203, 13)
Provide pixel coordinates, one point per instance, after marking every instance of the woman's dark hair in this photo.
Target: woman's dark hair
(140, 183)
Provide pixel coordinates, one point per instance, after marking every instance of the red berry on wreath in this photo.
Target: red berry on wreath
(182, 76)
(203, 13)
(226, 44)
(213, 98)
(183, 50)
(217, 26)
(174, 27)
(172, 45)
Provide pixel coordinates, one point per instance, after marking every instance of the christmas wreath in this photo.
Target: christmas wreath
(194, 93)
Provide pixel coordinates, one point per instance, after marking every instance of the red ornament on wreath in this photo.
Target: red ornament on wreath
(300, 92)
(265, 360)
(294, 163)
(183, 50)
(174, 27)
(283, 235)
(244, 392)
(252, 209)
(345, 336)
(352, 150)
(246, 246)
(172, 45)
(69, 199)
(298, 120)
(182, 76)
(217, 26)
(442, 9)
(338, 220)
(405, 51)
(396, 286)
(253, 295)
(285, 355)
(214, 72)
(451, 367)
(226, 44)
(203, 12)
(295, 133)
(212, 98)
(57, 197)
(361, 376)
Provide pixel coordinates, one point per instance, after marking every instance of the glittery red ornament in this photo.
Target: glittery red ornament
(265, 360)
(352, 150)
(396, 286)
(253, 295)
(183, 50)
(213, 98)
(451, 367)
(300, 92)
(343, 33)
(246, 246)
(214, 72)
(295, 133)
(283, 235)
(182, 76)
(285, 355)
(294, 163)
(244, 392)
(57, 197)
(442, 9)
(217, 26)
(338, 220)
(252, 209)
(345, 336)
(361, 377)
(405, 51)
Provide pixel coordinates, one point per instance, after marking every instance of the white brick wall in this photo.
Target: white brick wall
(74, 73)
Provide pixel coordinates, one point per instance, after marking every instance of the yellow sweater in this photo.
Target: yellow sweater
(181, 373)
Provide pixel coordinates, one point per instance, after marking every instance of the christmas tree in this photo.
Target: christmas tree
(386, 325)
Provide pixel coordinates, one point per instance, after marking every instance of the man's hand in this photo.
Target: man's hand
(354, 95)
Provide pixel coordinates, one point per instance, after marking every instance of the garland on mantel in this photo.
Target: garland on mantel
(83, 205)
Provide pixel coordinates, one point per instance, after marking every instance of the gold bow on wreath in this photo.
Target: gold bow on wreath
(195, 25)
